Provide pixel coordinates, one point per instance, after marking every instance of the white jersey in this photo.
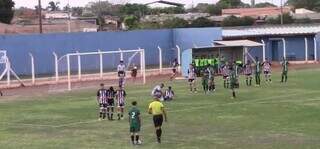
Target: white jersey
(191, 73)
(155, 90)
(121, 67)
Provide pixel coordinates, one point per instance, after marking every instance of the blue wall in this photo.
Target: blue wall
(42, 46)
(295, 46)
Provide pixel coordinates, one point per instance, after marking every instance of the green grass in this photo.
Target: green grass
(271, 116)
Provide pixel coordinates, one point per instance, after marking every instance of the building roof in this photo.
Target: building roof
(275, 30)
(267, 11)
(237, 43)
(167, 3)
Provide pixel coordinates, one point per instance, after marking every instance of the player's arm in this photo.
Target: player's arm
(150, 110)
(164, 114)
(98, 95)
(139, 118)
(124, 93)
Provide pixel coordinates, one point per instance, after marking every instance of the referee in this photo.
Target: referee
(156, 108)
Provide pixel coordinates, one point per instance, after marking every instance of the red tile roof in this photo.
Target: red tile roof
(254, 12)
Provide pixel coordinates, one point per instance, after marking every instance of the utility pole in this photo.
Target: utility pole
(281, 16)
(69, 17)
(40, 16)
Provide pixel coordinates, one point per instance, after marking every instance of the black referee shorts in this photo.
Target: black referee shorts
(158, 120)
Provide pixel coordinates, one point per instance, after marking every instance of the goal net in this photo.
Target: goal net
(81, 70)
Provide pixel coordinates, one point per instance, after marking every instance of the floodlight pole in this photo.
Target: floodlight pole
(306, 47)
(79, 66)
(56, 65)
(121, 54)
(179, 58)
(32, 68)
(8, 72)
(160, 59)
(141, 61)
(69, 72)
(40, 16)
(144, 66)
(315, 49)
(263, 50)
(101, 64)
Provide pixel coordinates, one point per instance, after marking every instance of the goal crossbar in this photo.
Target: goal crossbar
(100, 53)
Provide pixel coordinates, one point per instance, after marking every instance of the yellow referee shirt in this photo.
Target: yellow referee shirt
(156, 107)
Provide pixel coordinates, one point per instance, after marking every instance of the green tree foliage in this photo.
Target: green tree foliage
(132, 22)
(236, 21)
(77, 11)
(231, 4)
(202, 22)
(54, 6)
(6, 11)
(263, 5)
(104, 8)
(168, 10)
(287, 19)
(214, 10)
(175, 23)
(308, 4)
(137, 10)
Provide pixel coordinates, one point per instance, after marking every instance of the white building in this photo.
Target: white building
(57, 15)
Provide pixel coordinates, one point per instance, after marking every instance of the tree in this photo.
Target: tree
(308, 4)
(77, 11)
(214, 10)
(231, 4)
(6, 11)
(168, 10)
(137, 10)
(175, 23)
(235, 21)
(263, 5)
(202, 22)
(287, 19)
(132, 22)
(104, 8)
(54, 6)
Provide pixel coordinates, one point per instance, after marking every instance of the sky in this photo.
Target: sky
(32, 3)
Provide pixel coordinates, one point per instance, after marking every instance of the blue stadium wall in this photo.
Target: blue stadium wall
(42, 46)
(295, 47)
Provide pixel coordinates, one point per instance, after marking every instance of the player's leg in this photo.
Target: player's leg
(132, 136)
(122, 111)
(286, 76)
(224, 82)
(269, 76)
(190, 85)
(228, 82)
(282, 76)
(194, 86)
(104, 111)
(100, 111)
(158, 119)
(247, 80)
(250, 81)
(118, 112)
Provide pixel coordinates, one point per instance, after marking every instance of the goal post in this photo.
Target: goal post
(137, 52)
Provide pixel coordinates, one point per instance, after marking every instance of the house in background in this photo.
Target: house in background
(255, 12)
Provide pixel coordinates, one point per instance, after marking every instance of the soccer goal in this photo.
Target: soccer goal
(101, 65)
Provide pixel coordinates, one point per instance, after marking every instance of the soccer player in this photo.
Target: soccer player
(192, 78)
(205, 80)
(120, 95)
(174, 64)
(134, 73)
(110, 98)
(102, 101)
(267, 70)
(284, 74)
(156, 108)
(157, 91)
(121, 73)
(233, 80)
(257, 71)
(168, 94)
(248, 72)
(225, 75)
(212, 86)
(134, 123)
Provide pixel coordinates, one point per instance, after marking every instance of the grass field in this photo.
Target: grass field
(271, 116)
